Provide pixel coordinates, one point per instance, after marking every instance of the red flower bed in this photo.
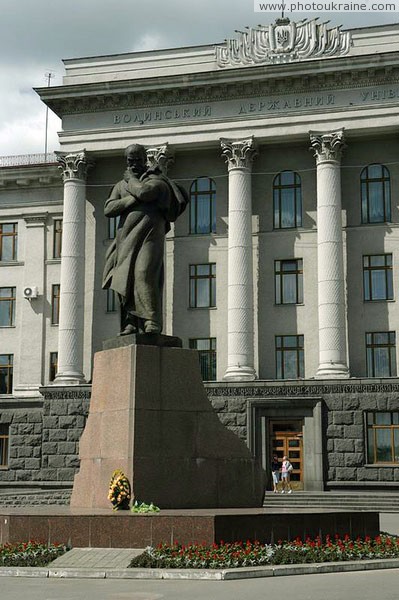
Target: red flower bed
(245, 554)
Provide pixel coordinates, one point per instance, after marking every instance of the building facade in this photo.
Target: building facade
(282, 272)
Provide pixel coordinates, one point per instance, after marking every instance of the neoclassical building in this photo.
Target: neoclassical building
(282, 273)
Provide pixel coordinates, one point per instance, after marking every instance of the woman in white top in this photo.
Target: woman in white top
(286, 469)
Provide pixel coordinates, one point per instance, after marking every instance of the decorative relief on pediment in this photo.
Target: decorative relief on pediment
(282, 42)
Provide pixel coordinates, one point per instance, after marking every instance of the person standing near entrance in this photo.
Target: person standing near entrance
(286, 469)
(275, 473)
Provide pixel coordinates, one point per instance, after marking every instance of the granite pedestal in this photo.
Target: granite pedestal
(99, 528)
(149, 416)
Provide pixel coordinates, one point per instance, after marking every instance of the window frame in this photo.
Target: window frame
(391, 347)
(55, 303)
(14, 235)
(195, 278)
(53, 366)
(372, 429)
(280, 274)
(368, 270)
(207, 357)
(9, 368)
(298, 348)
(112, 227)
(4, 445)
(278, 188)
(57, 238)
(385, 194)
(12, 308)
(210, 193)
(111, 305)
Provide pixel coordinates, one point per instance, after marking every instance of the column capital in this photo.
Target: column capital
(160, 156)
(74, 165)
(238, 153)
(328, 146)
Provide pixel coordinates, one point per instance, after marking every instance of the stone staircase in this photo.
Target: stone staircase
(358, 501)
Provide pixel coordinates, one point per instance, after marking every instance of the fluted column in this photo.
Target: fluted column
(71, 320)
(239, 155)
(330, 256)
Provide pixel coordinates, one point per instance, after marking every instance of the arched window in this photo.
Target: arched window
(203, 205)
(375, 184)
(287, 200)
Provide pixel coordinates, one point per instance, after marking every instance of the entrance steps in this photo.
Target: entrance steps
(352, 501)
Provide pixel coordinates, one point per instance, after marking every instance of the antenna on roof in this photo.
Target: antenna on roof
(49, 76)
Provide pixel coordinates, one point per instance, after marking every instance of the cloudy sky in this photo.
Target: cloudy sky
(35, 35)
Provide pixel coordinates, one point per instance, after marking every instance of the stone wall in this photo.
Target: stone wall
(36, 499)
(44, 435)
(344, 406)
(64, 417)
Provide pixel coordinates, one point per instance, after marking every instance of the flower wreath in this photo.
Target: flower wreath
(119, 491)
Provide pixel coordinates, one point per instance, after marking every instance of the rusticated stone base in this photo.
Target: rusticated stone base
(149, 416)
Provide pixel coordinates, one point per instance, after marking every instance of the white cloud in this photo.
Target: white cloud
(36, 36)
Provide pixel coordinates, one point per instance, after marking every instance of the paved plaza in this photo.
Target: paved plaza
(336, 586)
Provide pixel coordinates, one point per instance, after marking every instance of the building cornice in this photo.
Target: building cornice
(317, 75)
(27, 176)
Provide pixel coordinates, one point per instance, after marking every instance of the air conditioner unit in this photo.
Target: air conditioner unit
(30, 292)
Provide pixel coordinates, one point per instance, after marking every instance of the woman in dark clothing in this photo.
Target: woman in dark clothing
(275, 473)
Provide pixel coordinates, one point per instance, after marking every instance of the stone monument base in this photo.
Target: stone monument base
(150, 417)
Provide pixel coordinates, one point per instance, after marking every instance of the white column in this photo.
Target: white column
(330, 256)
(240, 302)
(71, 321)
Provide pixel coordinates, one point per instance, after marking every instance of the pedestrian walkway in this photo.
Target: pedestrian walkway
(95, 558)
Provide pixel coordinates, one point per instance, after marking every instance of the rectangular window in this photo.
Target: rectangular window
(7, 306)
(55, 304)
(8, 241)
(381, 354)
(207, 356)
(53, 365)
(57, 238)
(203, 285)
(287, 200)
(111, 301)
(290, 362)
(6, 373)
(288, 275)
(377, 277)
(203, 205)
(4, 444)
(113, 223)
(383, 437)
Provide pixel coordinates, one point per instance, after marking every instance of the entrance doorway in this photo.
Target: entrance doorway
(286, 440)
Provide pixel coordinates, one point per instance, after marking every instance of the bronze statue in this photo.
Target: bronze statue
(146, 202)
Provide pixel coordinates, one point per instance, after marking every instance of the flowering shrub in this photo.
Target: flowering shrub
(252, 554)
(336, 549)
(119, 491)
(142, 507)
(30, 554)
(201, 556)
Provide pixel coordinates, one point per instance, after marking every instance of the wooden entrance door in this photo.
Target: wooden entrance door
(286, 441)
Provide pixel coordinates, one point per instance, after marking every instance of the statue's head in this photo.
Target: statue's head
(136, 157)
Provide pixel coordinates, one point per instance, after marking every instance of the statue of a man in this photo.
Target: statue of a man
(146, 202)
